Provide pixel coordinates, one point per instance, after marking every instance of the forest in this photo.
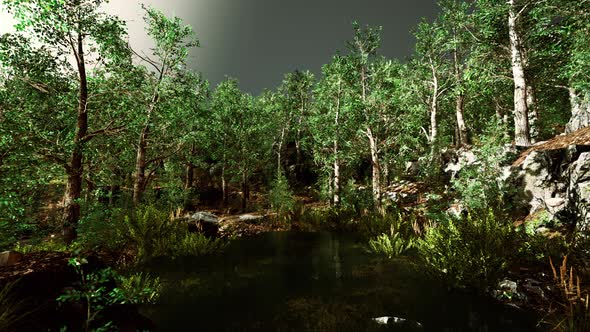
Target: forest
(449, 191)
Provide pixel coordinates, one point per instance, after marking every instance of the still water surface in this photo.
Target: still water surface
(292, 281)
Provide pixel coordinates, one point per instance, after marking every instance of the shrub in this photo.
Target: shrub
(140, 288)
(102, 228)
(197, 244)
(104, 288)
(155, 234)
(390, 245)
(472, 252)
(281, 197)
(480, 184)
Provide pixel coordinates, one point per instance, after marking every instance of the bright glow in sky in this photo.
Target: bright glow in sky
(258, 41)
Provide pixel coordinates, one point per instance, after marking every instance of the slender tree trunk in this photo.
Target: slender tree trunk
(245, 192)
(336, 190)
(434, 105)
(463, 139)
(90, 187)
(223, 182)
(376, 172)
(75, 168)
(375, 165)
(190, 176)
(533, 113)
(280, 151)
(521, 117)
(140, 167)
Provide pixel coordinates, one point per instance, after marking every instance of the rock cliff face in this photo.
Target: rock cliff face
(555, 177)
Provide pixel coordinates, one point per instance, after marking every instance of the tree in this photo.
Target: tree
(332, 124)
(296, 90)
(69, 29)
(168, 85)
(363, 49)
(240, 128)
(522, 134)
(454, 17)
(432, 62)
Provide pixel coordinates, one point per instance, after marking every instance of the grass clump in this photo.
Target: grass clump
(471, 252)
(573, 309)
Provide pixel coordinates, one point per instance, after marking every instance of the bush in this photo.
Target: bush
(281, 197)
(140, 288)
(155, 234)
(102, 228)
(480, 184)
(97, 291)
(390, 245)
(472, 252)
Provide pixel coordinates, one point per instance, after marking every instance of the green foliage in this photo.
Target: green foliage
(471, 252)
(43, 245)
(155, 234)
(96, 292)
(480, 185)
(194, 244)
(140, 288)
(390, 245)
(281, 197)
(7, 235)
(102, 228)
(93, 292)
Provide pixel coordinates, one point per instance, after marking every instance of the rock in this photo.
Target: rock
(203, 222)
(205, 217)
(578, 191)
(554, 202)
(250, 217)
(580, 111)
(508, 285)
(8, 258)
(398, 322)
(458, 161)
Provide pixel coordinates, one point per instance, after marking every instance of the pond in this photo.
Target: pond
(291, 281)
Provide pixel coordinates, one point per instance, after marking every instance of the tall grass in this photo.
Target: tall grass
(11, 309)
(575, 313)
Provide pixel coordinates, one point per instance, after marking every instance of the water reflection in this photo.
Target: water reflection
(314, 281)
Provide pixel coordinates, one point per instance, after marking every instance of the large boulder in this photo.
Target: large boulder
(578, 191)
(556, 181)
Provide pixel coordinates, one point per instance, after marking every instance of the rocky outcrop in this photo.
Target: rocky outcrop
(557, 181)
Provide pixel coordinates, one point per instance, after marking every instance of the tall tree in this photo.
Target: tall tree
(68, 28)
(363, 47)
(332, 123)
(522, 134)
(296, 90)
(173, 40)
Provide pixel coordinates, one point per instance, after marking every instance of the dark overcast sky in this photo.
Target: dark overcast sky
(258, 41)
